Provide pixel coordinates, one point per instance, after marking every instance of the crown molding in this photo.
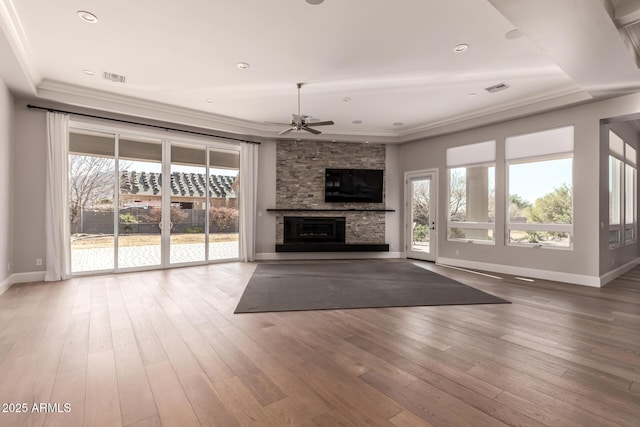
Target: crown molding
(117, 103)
(17, 39)
(122, 104)
(507, 111)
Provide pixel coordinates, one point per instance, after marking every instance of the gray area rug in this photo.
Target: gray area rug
(327, 286)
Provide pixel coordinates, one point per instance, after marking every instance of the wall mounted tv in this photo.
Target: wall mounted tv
(353, 185)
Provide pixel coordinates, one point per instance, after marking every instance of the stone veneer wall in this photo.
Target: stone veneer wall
(300, 174)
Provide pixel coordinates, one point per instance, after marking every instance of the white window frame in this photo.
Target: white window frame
(565, 153)
(633, 225)
(617, 227)
(626, 160)
(457, 164)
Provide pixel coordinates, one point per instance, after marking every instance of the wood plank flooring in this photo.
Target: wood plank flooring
(164, 348)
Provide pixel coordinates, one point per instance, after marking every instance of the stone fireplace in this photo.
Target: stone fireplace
(300, 203)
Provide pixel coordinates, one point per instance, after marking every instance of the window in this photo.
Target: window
(622, 192)
(540, 188)
(471, 170)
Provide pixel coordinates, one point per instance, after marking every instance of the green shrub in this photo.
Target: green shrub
(193, 230)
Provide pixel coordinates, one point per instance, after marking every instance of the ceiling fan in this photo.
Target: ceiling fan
(300, 122)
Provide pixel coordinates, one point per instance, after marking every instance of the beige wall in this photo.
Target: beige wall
(29, 148)
(6, 179)
(584, 259)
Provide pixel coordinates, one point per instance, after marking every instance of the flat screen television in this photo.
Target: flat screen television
(353, 185)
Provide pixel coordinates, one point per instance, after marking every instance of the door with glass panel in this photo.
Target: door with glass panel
(92, 183)
(140, 192)
(203, 204)
(420, 211)
(224, 188)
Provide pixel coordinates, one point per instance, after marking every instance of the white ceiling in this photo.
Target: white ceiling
(395, 60)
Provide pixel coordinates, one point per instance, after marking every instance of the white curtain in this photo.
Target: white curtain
(56, 201)
(248, 200)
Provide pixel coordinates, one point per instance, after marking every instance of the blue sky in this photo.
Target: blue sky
(534, 180)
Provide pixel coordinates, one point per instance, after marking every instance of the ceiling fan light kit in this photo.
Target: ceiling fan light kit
(302, 122)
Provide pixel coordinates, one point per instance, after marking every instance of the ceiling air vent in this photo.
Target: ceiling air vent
(497, 88)
(114, 77)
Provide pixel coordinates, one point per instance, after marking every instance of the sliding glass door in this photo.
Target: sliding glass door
(92, 180)
(188, 204)
(139, 202)
(139, 216)
(223, 179)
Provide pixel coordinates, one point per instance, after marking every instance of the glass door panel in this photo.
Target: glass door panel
(223, 181)
(91, 200)
(188, 204)
(421, 217)
(139, 202)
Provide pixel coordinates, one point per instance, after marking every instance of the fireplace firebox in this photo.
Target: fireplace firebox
(314, 230)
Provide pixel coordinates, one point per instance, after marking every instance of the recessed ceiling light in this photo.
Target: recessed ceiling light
(398, 124)
(242, 65)
(314, 2)
(357, 122)
(209, 100)
(461, 47)
(88, 72)
(472, 94)
(346, 99)
(87, 16)
(513, 34)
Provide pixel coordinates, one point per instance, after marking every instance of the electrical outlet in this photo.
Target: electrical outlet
(9, 266)
(38, 261)
(457, 251)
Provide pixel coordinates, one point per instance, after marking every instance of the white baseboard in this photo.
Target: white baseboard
(610, 275)
(275, 256)
(558, 276)
(34, 276)
(5, 285)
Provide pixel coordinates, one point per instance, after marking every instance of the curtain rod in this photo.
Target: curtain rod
(54, 110)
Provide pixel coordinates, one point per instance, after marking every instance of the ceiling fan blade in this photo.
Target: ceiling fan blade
(278, 123)
(286, 131)
(313, 131)
(328, 122)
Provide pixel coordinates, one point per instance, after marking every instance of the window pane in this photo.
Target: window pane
(542, 238)
(629, 194)
(629, 234)
(472, 194)
(540, 192)
(615, 170)
(465, 234)
(614, 237)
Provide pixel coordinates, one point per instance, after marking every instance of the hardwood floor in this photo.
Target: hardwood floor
(164, 348)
